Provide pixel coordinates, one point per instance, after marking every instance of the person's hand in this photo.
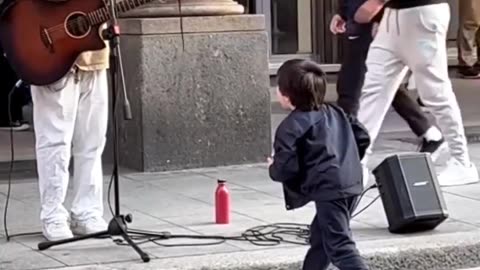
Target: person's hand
(368, 10)
(375, 29)
(337, 25)
(270, 161)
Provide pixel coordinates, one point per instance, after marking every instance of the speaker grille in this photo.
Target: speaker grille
(420, 186)
(410, 193)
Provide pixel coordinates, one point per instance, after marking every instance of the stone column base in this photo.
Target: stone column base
(205, 106)
(168, 8)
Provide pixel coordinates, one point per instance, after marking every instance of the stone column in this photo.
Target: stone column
(200, 97)
(170, 8)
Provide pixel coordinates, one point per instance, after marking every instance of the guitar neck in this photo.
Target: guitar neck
(102, 15)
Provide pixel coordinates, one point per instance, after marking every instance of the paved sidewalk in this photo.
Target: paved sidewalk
(182, 203)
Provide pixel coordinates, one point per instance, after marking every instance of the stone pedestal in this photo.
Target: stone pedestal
(166, 8)
(203, 105)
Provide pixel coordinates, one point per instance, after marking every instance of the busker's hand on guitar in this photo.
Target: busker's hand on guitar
(337, 25)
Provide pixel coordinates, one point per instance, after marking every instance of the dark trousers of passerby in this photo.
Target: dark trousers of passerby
(331, 237)
(11, 103)
(468, 41)
(351, 78)
(7, 81)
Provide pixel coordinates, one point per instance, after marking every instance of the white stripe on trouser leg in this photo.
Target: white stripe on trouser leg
(58, 109)
(384, 76)
(424, 49)
(88, 145)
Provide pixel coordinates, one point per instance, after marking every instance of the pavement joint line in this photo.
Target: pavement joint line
(252, 188)
(460, 195)
(464, 222)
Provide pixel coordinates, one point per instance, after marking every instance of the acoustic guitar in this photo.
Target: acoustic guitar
(368, 10)
(43, 39)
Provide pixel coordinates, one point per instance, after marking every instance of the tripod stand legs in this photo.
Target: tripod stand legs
(116, 227)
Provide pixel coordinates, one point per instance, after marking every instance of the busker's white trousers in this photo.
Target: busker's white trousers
(70, 119)
(413, 38)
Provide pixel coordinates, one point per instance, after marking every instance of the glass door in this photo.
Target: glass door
(299, 29)
(289, 26)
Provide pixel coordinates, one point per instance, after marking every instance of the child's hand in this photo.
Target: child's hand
(270, 161)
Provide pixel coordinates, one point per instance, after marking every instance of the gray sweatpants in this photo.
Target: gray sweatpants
(414, 39)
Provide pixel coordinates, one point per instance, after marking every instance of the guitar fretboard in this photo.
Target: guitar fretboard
(103, 14)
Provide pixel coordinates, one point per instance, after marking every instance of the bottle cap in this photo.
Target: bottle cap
(220, 181)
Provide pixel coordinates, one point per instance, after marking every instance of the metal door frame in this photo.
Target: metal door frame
(264, 7)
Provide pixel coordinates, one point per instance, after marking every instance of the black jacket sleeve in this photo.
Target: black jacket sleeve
(342, 9)
(285, 165)
(361, 135)
(379, 16)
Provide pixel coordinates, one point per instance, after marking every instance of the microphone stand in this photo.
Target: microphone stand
(118, 225)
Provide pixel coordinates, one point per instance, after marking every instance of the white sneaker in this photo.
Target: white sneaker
(456, 174)
(89, 226)
(57, 230)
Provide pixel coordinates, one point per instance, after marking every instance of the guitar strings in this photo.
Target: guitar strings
(52, 31)
(59, 27)
(62, 26)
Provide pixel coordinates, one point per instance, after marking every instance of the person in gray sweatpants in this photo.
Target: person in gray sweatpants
(412, 35)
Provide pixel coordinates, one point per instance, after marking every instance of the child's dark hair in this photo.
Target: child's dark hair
(303, 82)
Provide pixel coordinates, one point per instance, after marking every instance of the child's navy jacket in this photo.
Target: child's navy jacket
(317, 156)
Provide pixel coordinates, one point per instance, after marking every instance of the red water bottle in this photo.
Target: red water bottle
(222, 203)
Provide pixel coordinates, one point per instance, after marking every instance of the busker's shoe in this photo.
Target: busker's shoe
(457, 174)
(15, 126)
(88, 226)
(56, 230)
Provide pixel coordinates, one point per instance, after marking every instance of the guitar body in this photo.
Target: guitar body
(43, 39)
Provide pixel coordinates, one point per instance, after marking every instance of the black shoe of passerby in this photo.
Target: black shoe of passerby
(431, 146)
(469, 72)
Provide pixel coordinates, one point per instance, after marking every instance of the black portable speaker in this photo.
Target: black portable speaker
(411, 195)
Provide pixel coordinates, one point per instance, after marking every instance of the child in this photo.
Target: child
(317, 152)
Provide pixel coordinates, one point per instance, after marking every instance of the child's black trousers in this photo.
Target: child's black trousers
(331, 238)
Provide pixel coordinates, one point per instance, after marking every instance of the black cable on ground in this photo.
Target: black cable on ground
(360, 199)
(12, 160)
(264, 235)
(10, 170)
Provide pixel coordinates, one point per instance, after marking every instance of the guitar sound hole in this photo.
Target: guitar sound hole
(77, 25)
